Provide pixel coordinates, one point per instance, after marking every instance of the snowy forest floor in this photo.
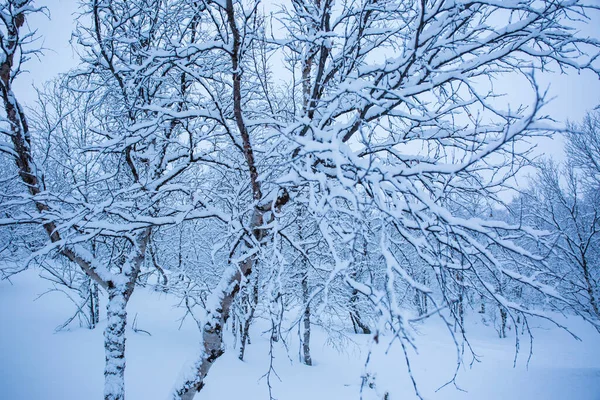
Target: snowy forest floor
(37, 363)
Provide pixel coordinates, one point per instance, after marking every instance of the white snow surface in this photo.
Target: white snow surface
(37, 363)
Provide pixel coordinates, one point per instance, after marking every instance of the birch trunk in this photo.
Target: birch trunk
(306, 358)
(212, 331)
(248, 317)
(94, 305)
(114, 345)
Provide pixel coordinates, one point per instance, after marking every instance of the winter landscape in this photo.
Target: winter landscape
(300, 199)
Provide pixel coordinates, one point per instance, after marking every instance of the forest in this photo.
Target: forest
(297, 172)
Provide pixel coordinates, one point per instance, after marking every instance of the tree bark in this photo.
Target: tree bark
(114, 345)
(251, 307)
(357, 323)
(94, 305)
(306, 358)
(589, 286)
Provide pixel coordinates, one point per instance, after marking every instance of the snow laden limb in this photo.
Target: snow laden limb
(14, 54)
(405, 121)
(415, 159)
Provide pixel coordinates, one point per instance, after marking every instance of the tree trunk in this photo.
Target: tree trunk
(251, 307)
(306, 322)
(160, 270)
(212, 331)
(590, 287)
(276, 319)
(503, 320)
(357, 323)
(94, 305)
(460, 310)
(114, 345)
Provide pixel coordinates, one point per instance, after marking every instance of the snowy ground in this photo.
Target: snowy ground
(36, 363)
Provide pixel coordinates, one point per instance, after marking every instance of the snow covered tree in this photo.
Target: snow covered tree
(395, 111)
(583, 150)
(123, 161)
(564, 200)
(322, 156)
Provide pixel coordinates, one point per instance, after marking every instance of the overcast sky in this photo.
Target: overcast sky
(574, 93)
